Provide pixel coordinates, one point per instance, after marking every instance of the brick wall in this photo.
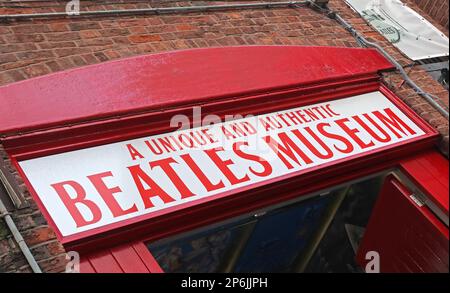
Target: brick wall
(38, 235)
(437, 10)
(36, 47)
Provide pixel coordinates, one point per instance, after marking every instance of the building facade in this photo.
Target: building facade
(33, 47)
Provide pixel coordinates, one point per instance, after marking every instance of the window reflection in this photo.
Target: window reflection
(287, 239)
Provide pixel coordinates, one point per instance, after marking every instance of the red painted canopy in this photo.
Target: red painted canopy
(157, 81)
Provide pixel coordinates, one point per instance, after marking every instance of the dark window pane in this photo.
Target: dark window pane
(319, 234)
(266, 244)
(201, 252)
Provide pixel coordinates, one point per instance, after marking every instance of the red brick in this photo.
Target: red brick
(58, 27)
(121, 40)
(38, 235)
(112, 54)
(89, 58)
(68, 36)
(16, 65)
(89, 34)
(144, 38)
(53, 66)
(15, 75)
(30, 28)
(4, 246)
(84, 25)
(66, 44)
(5, 79)
(55, 264)
(109, 32)
(154, 21)
(10, 57)
(65, 63)
(62, 52)
(41, 54)
(78, 61)
(36, 70)
(94, 42)
(47, 249)
(132, 22)
(4, 30)
(23, 38)
(101, 56)
(185, 27)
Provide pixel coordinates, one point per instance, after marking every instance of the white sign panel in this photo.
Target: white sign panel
(97, 186)
(403, 27)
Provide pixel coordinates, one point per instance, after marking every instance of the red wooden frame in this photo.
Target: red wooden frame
(430, 171)
(291, 77)
(421, 240)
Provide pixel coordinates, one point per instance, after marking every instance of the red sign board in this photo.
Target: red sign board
(98, 186)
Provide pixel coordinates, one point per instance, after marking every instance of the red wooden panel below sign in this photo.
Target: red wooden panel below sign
(86, 267)
(147, 258)
(104, 262)
(407, 237)
(128, 259)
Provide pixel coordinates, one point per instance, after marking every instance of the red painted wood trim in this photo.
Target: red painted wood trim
(86, 267)
(430, 172)
(92, 133)
(128, 259)
(147, 257)
(357, 162)
(164, 80)
(104, 262)
(408, 238)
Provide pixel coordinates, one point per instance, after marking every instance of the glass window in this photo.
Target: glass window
(318, 234)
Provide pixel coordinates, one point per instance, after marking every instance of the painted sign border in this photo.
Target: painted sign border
(388, 153)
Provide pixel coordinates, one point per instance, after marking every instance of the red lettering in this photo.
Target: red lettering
(223, 166)
(392, 121)
(165, 142)
(302, 116)
(328, 153)
(134, 152)
(208, 135)
(267, 168)
(238, 130)
(80, 198)
(227, 133)
(199, 137)
(294, 118)
(348, 144)
(284, 120)
(288, 148)
(147, 194)
(311, 115)
(165, 165)
(330, 111)
(157, 151)
(267, 125)
(317, 109)
(200, 175)
(108, 194)
(183, 137)
(248, 127)
(275, 123)
(386, 137)
(352, 133)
